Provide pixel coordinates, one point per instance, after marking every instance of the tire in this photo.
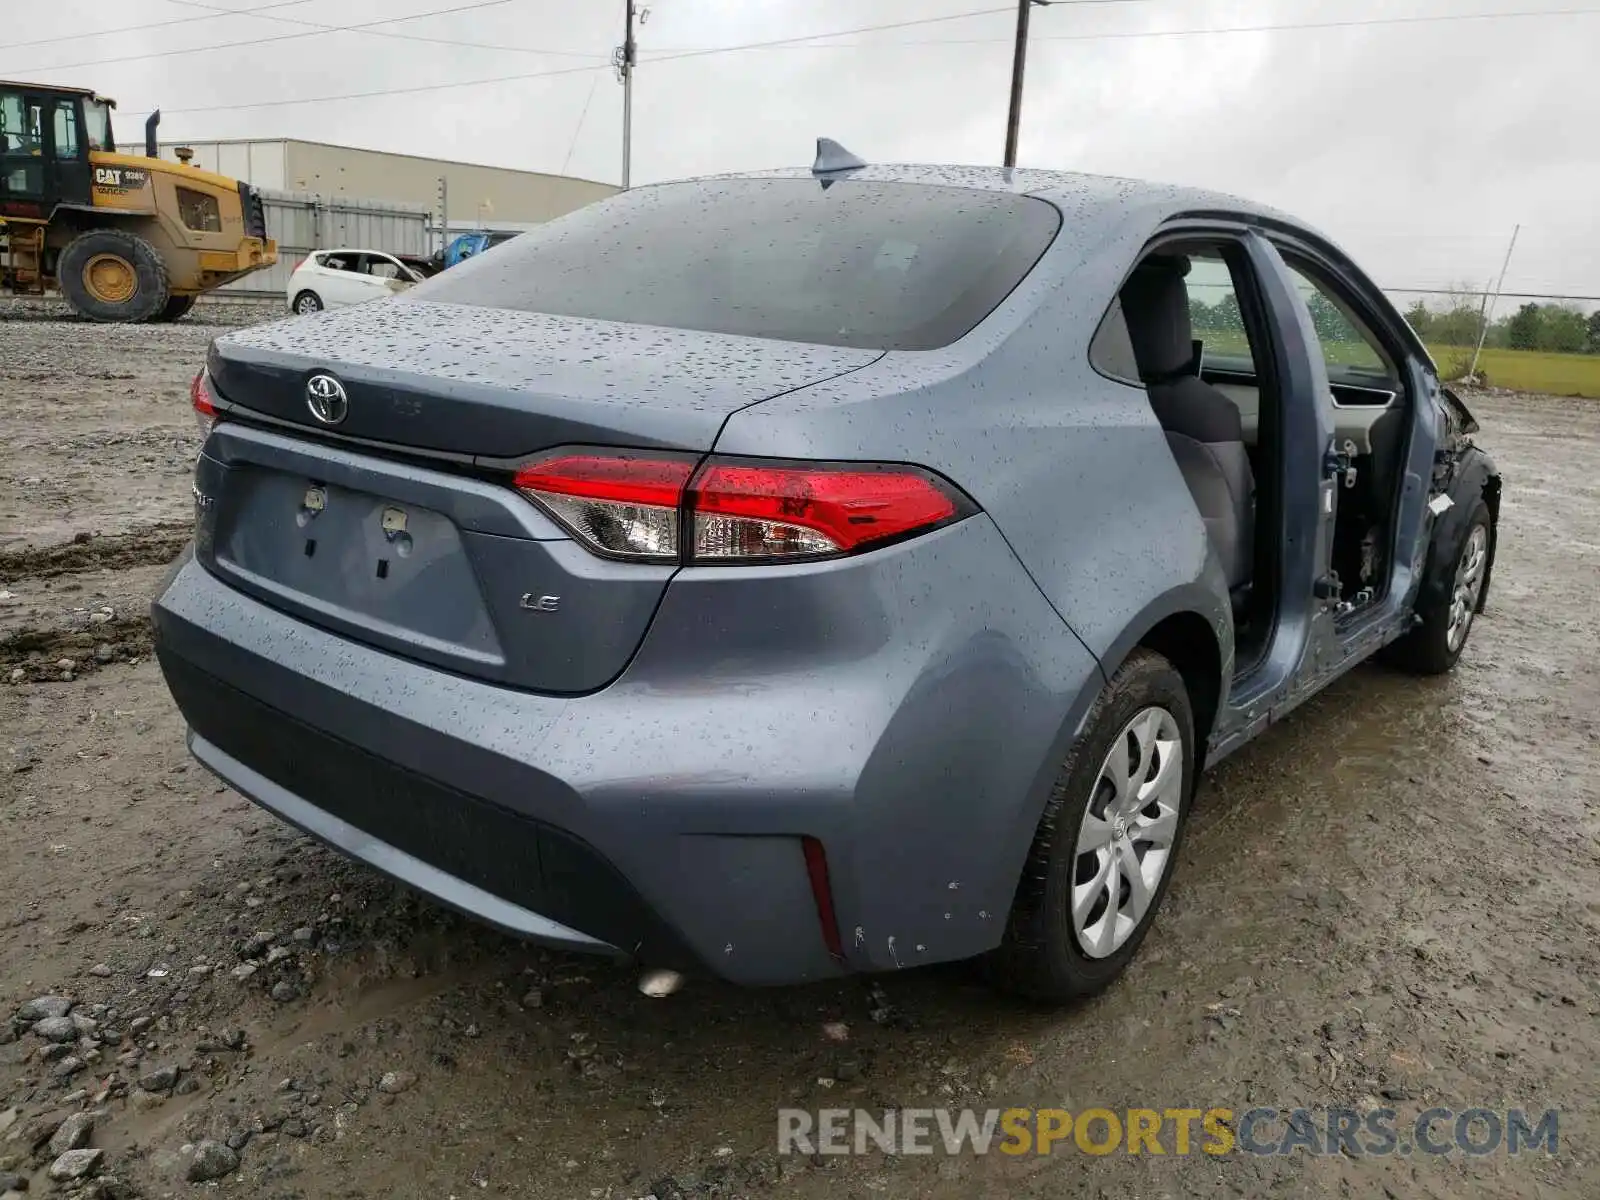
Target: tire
(1044, 956)
(113, 276)
(176, 309)
(306, 302)
(1451, 602)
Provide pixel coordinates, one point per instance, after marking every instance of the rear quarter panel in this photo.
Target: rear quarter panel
(1076, 476)
(1071, 466)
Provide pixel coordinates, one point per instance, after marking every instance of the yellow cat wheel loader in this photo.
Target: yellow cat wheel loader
(123, 238)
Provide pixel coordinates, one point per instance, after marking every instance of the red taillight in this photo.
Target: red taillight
(204, 401)
(822, 893)
(621, 505)
(640, 506)
(748, 511)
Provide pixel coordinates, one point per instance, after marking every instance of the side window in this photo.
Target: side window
(1216, 322)
(1351, 352)
(382, 268)
(68, 144)
(1111, 349)
(1215, 315)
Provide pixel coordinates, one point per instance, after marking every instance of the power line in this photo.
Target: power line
(582, 117)
(282, 37)
(369, 27)
(811, 37)
(1354, 23)
(75, 37)
(517, 78)
(1138, 33)
(670, 55)
(390, 33)
(1445, 291)
(403, 91)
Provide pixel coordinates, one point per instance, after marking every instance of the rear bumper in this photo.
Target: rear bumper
(408, 868)
(661, 818)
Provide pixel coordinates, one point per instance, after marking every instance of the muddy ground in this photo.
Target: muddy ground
(1392, 899)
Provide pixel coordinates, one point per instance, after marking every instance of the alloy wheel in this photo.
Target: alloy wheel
(1468, 587)
(1128, 831)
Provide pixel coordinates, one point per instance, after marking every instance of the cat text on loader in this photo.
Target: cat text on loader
(123, 238)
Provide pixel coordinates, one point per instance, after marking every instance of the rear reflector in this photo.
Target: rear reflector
(822, 892)
(639, 506)
(204, 401)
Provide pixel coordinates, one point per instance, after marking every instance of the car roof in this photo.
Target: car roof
(1067, 189)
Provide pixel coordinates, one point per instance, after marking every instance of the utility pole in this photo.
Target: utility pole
(1483, 313)
(626, 59)
(1019, 63)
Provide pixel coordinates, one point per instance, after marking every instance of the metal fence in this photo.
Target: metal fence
(301, 222)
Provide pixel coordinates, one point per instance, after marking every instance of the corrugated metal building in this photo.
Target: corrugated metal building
(319, 196)
(301, 222)
(479, 194)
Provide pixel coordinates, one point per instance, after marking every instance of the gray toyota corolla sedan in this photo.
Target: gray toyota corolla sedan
(815, 572)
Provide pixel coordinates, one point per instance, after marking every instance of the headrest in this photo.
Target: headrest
(1155, 304)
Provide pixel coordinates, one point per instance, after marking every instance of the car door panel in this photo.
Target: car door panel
(331, 282)
(359, 286)
(1308, 497)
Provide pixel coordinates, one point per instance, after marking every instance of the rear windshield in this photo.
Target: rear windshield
(892, 266)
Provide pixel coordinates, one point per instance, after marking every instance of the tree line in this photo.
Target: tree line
(1558, 328)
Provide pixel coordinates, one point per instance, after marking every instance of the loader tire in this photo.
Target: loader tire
(113, 276)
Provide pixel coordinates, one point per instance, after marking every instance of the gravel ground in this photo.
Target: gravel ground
(1391, 899)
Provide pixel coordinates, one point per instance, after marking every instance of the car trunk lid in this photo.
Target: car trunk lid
(467, 380)
(415, 542)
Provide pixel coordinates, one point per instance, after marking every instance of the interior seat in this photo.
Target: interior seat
(1387, 437)
(1203, 426)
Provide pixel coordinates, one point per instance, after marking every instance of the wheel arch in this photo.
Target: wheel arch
(1192, 627)
(1491, 499)
(1187, 641)
(1476, 477)
(1193, 630)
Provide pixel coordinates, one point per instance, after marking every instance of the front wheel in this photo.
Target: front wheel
(1103, 853)
(307, 302)
(1445, 618)
(114, 276)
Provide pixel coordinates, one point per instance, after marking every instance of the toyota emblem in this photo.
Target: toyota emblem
(325, 397)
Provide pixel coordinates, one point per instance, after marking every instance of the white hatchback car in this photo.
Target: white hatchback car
(333, 278)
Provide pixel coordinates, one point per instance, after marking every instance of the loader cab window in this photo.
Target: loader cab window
(68, 144)
(21, 148)
(97, 125)
(19, 124)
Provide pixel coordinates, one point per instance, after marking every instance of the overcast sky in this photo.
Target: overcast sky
(1417, 145)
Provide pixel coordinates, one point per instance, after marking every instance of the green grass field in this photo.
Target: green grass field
(1520, 370)
(1526, 370)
